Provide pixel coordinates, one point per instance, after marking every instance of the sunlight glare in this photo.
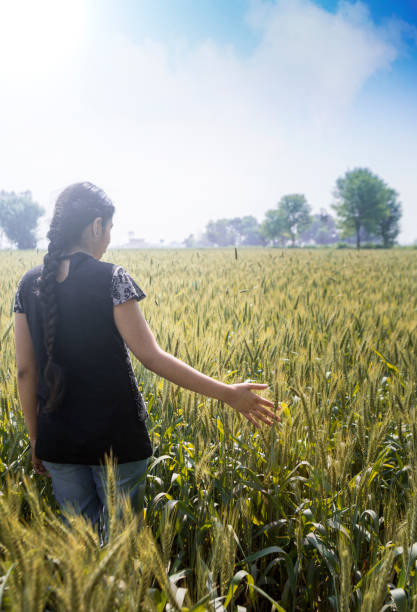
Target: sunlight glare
(35, 37)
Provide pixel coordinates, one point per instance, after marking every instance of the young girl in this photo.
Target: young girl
(75, 318)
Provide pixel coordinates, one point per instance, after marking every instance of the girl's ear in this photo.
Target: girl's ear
(97, 227)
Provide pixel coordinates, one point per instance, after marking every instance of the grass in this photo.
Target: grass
(316, 513)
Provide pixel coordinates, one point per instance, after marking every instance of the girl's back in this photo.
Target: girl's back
(102, 408)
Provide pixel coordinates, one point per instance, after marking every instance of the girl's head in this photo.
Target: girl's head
(82, 219)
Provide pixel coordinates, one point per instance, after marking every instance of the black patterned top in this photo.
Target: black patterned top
(102, 407)
(123, 288)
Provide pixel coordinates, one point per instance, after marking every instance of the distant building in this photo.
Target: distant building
(135, 243)
(140, 243)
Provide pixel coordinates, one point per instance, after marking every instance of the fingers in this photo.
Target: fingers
(261, 402)
(270, 416)
(39, 468)
(252, 420)
(264, 420)
(262, 415)
(258, 409)
(42, 473)
(265, 402)
(257, 385)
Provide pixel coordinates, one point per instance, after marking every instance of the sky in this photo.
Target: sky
(185, 111)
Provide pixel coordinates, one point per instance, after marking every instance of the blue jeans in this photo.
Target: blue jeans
(82, 488)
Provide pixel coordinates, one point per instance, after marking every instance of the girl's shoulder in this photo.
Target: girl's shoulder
(31, 275)
(27, 285)
(124, 287)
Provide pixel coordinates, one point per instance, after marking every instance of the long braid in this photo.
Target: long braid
(53, 374)
(76, 207)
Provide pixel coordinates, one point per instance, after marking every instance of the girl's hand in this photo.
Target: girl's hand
(37, 464)
(252, 406)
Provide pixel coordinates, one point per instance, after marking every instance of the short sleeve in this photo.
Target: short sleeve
(18, 300)
(124, 287)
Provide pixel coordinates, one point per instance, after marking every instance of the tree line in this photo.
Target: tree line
(366, 210)
(19, 215)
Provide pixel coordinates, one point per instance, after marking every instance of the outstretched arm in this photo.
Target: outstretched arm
(138, 336)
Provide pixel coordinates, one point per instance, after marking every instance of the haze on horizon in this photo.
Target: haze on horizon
(185, 112)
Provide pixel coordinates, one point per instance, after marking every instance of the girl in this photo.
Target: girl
(75, 319)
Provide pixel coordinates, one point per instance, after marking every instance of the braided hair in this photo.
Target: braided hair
(76, 207)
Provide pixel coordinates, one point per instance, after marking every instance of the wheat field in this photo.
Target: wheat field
(316, 513)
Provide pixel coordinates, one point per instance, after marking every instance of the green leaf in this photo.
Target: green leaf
(158, 460)
(274, 603)
(325, 552)
(373, 516)
(187, 510)
(262, 553)
(411, 561)
(237, 578)
(160, 599)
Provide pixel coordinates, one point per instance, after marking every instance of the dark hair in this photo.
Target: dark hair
(76, 207)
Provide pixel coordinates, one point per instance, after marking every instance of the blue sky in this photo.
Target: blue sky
(225, 23)
(190, 110)
(222, 20)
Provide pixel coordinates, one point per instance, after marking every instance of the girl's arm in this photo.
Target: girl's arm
(27, 381)
(139, 338)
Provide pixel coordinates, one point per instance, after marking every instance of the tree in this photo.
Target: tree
(19, 216)
(362, 203)
(322, 229)
(220, 233)
(237, 231)
(289, 219)
(296, 214)
(247, 230)
(189, 242)
(273, 228)
(389, 225)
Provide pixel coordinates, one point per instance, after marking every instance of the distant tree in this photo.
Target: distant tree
(274, 228)
(19, 216)
(327, 231)
(202, 240)
(362, 203)
(288, 220)
(389, 228)
(296, 214)
(189, 242)
(322, 230)
(247, 230)
(365, 238)
(234, 232)
(219, 233)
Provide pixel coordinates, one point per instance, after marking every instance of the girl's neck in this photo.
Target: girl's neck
(79, 250)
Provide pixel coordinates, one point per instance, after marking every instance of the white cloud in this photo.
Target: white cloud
(179, 136)
(316, 62)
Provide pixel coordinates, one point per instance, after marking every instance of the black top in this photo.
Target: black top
(102, 407)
